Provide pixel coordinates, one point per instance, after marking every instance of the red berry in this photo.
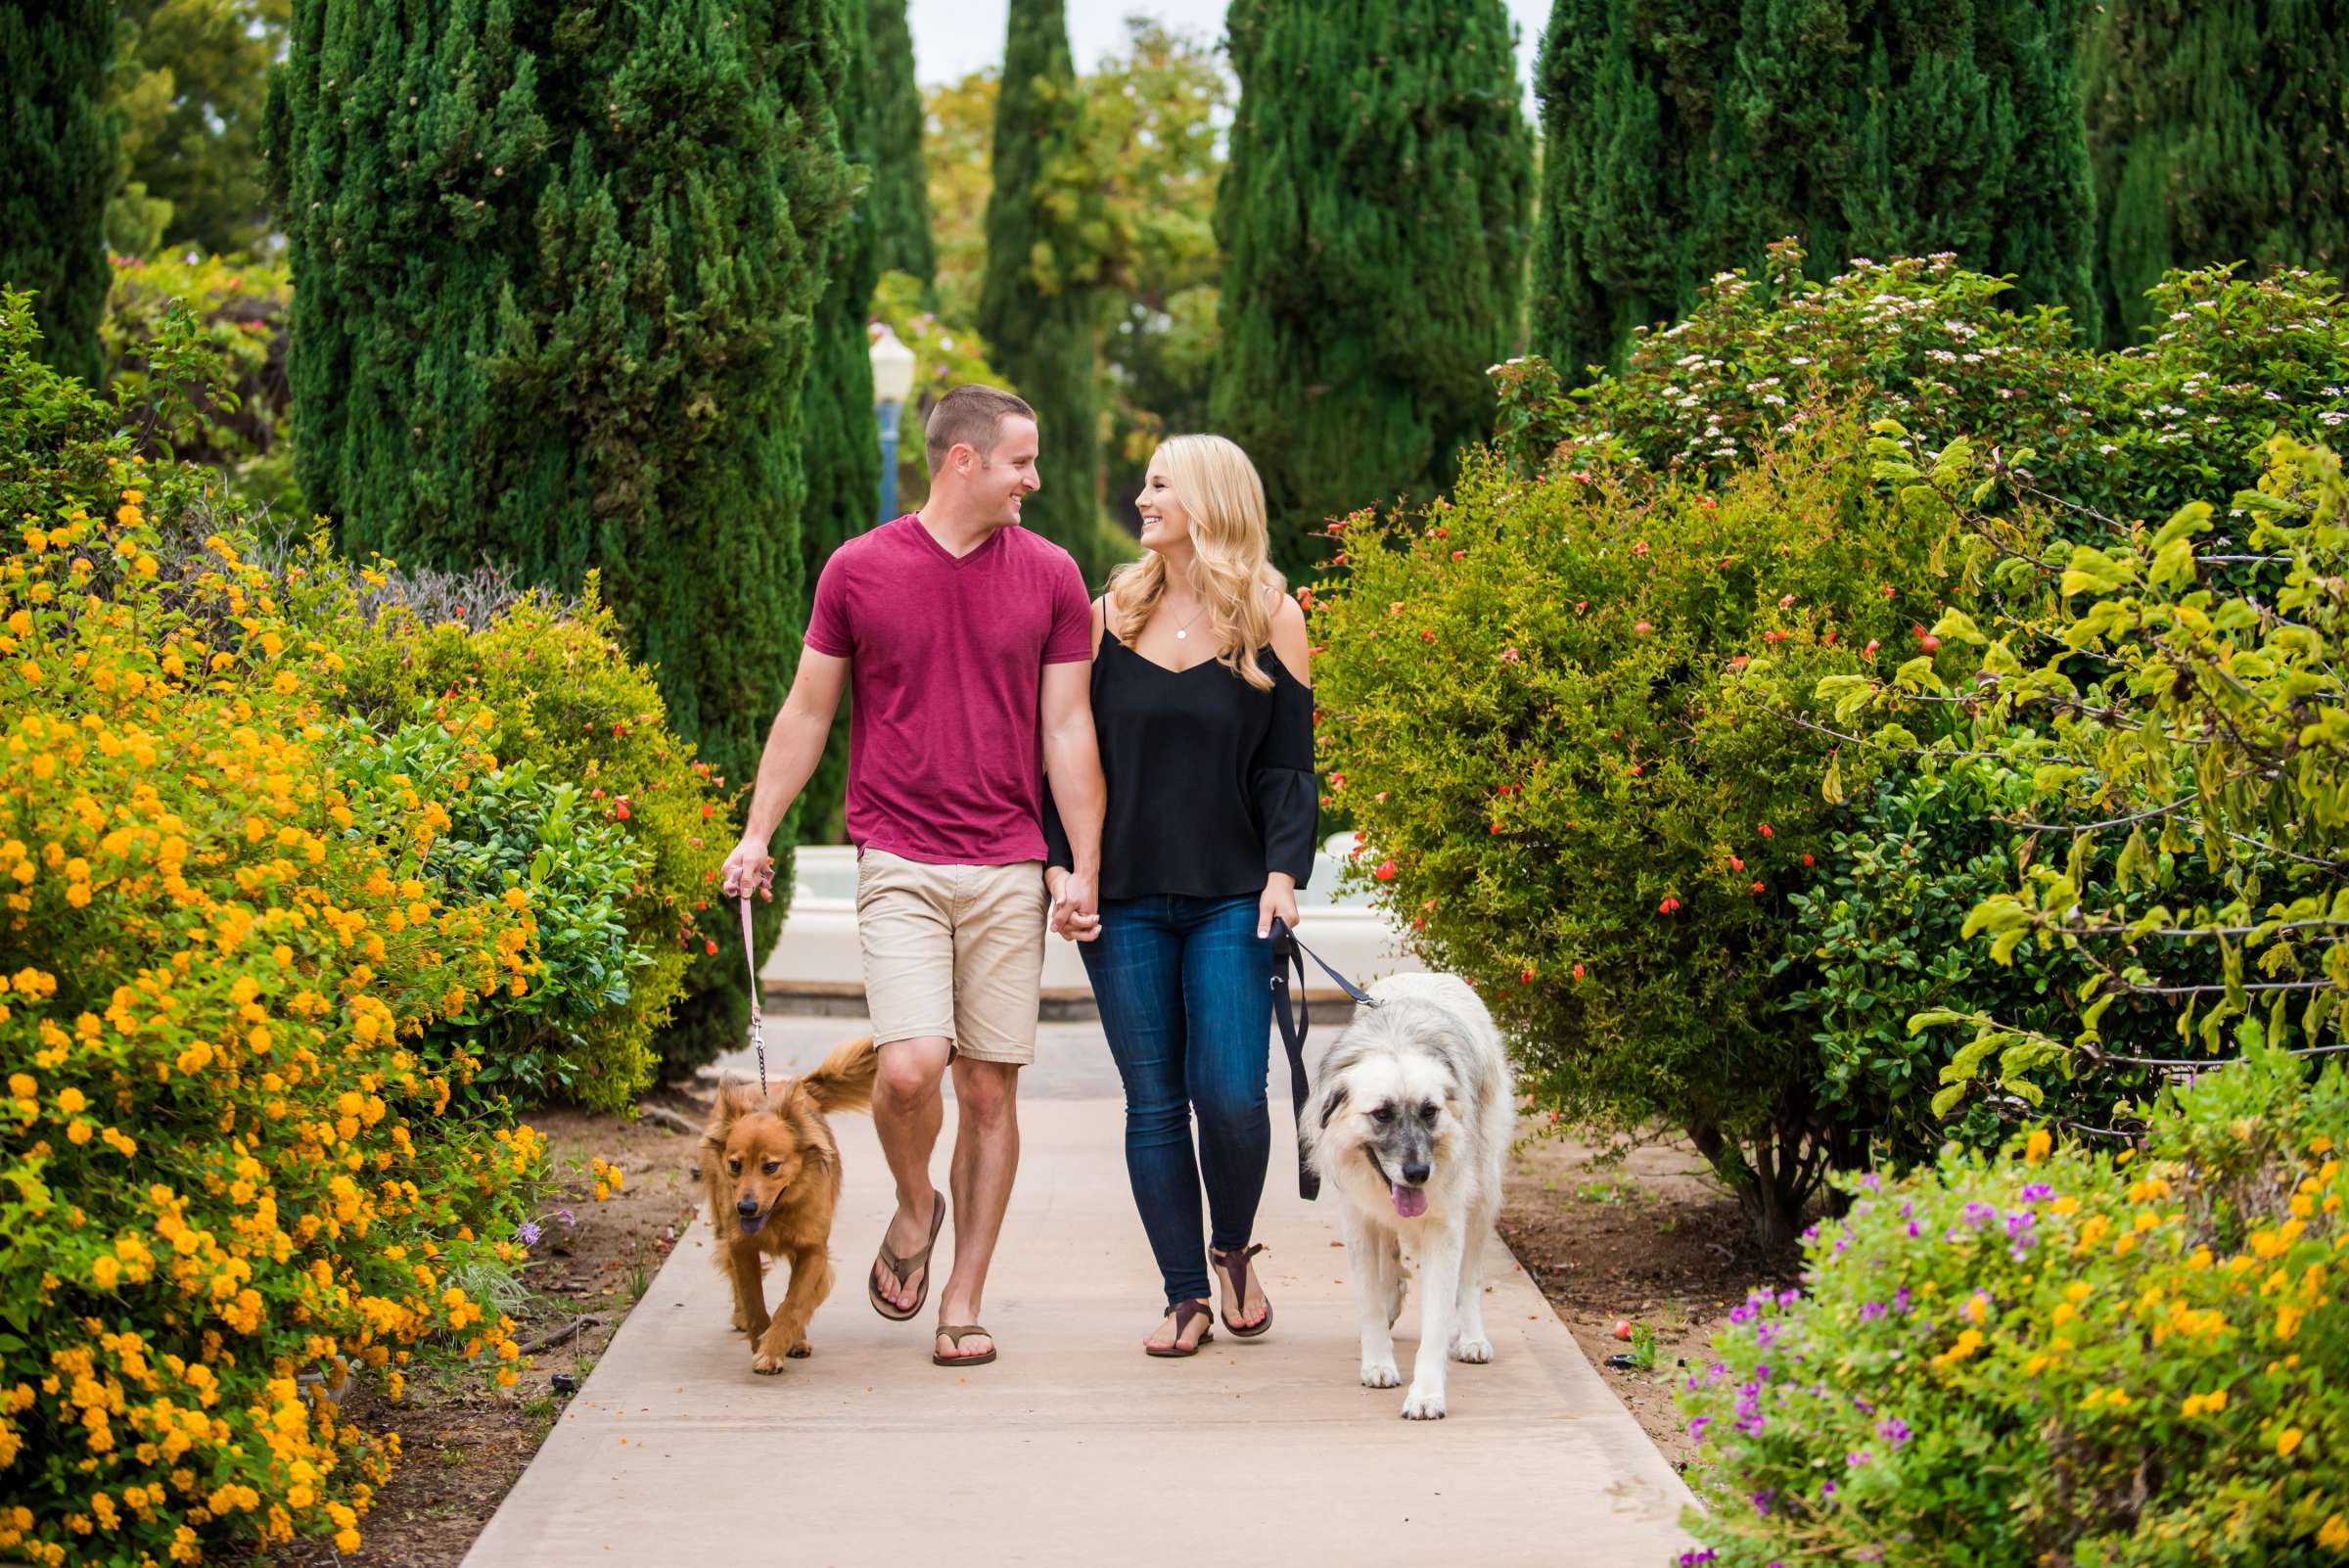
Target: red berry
(1756, 887)
(1525, 977)
(1765, 828)
(1578, 971)
(1736, 864)
(1642, 627)
(1385, 871)
(708, 946)
(1929, 643)
(1807, 860)
(623, 810)
(1623, 1328)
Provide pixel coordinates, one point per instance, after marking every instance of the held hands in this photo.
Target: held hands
(749, 869)
(1279, 901)
(1076, 905)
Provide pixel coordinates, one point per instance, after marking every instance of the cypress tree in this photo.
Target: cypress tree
(2220, 132)
(1372, 218)
(554, 272)
(1686, 139)
(57, 169)
(1038, 299)
(900, 199)
(840, 437)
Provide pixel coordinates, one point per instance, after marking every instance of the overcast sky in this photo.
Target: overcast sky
(951, 38)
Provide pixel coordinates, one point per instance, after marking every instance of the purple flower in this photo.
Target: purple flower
(1693, 1559)
(1915, 1230)
(1858, 1457)
(1789, 1296)
(1979, 1215)
(564, 1217)
(1742, 1314)
(1696, 1428)
(1869, 1311)
(1900, 1299)
(1826, 1489)
(1810, 1233)
(528, 1232)
(1762, 1502)
(1872, 1181)
(1893, 1430)
(2038, 1193)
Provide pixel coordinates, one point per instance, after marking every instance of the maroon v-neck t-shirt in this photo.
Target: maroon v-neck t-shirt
(946, 659)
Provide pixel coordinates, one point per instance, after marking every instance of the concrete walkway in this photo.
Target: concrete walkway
(1075, 1448)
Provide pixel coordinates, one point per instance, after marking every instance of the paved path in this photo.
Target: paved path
(1073, 1448)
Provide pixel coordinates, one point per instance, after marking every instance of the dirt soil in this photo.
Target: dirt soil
(1644, 1235)
(463, 1445)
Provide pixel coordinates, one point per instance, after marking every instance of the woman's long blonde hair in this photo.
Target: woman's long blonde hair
(1229, 571)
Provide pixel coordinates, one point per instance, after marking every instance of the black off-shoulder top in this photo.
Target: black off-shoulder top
(1211, 781)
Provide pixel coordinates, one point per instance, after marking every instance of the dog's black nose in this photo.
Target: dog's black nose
(748, 1208)
(1415, 1173)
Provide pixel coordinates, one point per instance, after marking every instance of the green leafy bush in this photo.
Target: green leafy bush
(571, 1034)
(2183, 734)
(1921, 341)
(565, 698)
(2056, 1356)
(1556, 710)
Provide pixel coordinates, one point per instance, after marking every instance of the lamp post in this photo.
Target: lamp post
(893, 383)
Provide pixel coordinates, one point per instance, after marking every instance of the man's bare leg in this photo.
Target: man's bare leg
(907, 1112)
(986, 1156)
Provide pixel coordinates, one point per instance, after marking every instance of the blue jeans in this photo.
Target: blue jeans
(1185, 990)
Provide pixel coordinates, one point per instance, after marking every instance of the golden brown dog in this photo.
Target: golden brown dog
(772, 1175)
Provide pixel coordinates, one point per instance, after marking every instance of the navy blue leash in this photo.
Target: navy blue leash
(1287, 954)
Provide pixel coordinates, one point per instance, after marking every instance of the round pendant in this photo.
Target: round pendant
(1180, 635)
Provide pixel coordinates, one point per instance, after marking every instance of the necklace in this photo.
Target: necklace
(1185, 630)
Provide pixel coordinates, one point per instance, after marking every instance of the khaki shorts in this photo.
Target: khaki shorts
(953, 951)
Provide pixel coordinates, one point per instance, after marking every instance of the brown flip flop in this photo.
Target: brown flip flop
(955, 1334)
(1235, 1267)
(903, 1269)
(1186, 1313)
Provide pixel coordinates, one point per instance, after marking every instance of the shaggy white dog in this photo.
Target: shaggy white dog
(1411, 1115)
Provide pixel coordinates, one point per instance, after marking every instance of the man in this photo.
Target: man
(969, 643)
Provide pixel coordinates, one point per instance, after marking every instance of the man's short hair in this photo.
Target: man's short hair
(969, 415)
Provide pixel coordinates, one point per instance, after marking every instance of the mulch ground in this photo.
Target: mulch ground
(1644, 1235)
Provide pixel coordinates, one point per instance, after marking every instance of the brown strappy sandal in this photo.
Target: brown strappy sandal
(1235, 1267)
(903, 1269)
(955, 1334)
(1186, 1313)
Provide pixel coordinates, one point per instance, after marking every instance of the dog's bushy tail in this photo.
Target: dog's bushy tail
(844, 1080)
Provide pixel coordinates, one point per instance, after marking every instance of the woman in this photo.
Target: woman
(1205, 719)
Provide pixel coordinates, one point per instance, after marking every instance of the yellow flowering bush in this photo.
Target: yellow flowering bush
(234, 1173)
(2096, 1356)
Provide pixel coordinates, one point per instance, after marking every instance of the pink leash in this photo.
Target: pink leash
(750, 957)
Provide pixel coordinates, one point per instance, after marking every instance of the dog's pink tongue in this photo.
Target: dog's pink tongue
(1409, 1202)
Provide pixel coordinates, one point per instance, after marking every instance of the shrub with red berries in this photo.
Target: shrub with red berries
(1571, 741)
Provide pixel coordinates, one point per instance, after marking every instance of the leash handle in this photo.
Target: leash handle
(750, 957)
